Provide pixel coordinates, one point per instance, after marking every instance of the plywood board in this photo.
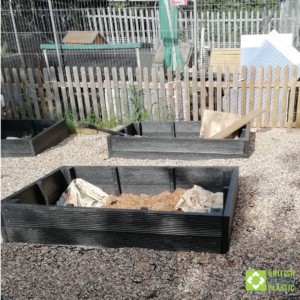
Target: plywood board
(215, 121)
(83, 37)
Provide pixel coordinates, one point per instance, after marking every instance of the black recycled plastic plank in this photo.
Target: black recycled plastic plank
(30, 215)
(34, 136)
(175, 140)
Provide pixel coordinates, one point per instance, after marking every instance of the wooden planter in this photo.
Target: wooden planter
(175, 140)
(35, 136)
(30, 215)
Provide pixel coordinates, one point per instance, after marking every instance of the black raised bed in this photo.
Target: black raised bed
(34, 136)
(175, 140)
(30, 215)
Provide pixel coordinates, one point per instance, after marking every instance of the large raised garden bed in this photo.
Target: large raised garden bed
(30, 137)
(30, 215)
(175, 140)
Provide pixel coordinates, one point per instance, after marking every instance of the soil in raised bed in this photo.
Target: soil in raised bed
(165, 201)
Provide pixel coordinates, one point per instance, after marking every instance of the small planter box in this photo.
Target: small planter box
(175, 140)
(35, 136)
(30, 215)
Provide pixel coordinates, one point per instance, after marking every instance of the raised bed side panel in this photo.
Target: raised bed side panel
(67, 225)
(114, 239)
(139, 147)
(16, 128)
(150, 180)
(187, 129)
(158, 129)
(210, 178)
(230, 205)
(50, 137)
(15, 147)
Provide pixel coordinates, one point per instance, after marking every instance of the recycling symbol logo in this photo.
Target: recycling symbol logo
(256, 280)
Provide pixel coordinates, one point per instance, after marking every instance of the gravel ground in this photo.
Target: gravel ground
(266, 233)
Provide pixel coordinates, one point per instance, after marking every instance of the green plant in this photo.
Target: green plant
(97, 121)
(138, 110)
(71, 122)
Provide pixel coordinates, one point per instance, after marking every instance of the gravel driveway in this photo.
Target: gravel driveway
(266, 233)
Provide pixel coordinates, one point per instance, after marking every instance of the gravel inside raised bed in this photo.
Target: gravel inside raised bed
(266, 233)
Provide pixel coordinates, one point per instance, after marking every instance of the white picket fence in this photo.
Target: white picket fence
(133, 25)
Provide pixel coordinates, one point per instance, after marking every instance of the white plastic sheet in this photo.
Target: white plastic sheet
(81, 193)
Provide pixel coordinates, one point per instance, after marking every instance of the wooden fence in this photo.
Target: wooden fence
(221, 29)
(112, 94)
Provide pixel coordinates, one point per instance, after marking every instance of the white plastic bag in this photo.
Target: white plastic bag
(197, 199)
(82, 194)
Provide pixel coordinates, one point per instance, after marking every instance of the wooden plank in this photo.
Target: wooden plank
(19, 91)
(227, 90)
(284, 96)
(124, 95)
(95, 108)
(7, 110)
(71, 94)
(243, 90)
(86, 95)
(57, 99)
(101, 25)
(148, 40)
(268, 96)
(27, 94)
(292, 100)
(111, 25)
(109, 101)
(117, 100)
(63, 90)
(171, 93)
(155, 100)
(101, 94)
(126, 26)
(219, 88)
(195, 94)
(237, 125)
(49, 94)
(275, 97)
(38, 77)
(12, 99)
(121, 19)
(162, 94)
(202, 90)
(132, 31)
(187, 94)
(116, 29)
(211, 94)
(142, 22)
(179, 95)
(78, 93)
(251, 91)
(259, 94)
(235, 92)
(147, 91)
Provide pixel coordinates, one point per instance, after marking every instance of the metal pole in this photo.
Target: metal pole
(195, 33)
(16, 34)
(55, 34)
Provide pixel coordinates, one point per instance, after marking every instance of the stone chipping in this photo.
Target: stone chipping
(266, 232)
